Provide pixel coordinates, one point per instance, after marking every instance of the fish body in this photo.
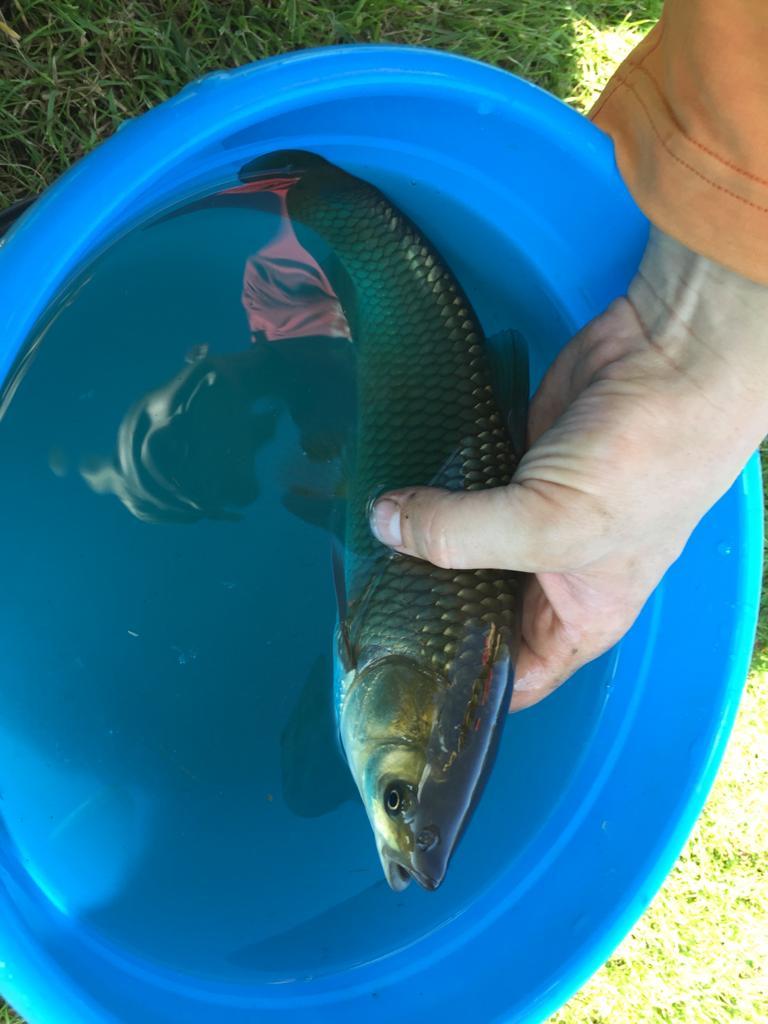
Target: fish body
(425, 654)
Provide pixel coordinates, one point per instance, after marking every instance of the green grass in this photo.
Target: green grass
(79, 69)
(700, 954)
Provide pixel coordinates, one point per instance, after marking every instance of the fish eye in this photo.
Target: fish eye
(394, 799)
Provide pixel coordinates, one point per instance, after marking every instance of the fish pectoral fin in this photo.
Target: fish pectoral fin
(344, 648)
(508, 354)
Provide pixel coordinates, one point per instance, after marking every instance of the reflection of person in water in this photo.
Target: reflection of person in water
(185, 451)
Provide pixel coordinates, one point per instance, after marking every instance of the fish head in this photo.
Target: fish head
(420, 747)
(388, 726)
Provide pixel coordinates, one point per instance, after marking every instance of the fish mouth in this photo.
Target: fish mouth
(399, 876)
(426, 881)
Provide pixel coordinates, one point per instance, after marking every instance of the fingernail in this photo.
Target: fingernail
(385, 522)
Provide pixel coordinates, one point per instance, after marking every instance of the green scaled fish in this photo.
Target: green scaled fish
(425, 655)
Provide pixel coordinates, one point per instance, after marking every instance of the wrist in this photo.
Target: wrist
(709, 325)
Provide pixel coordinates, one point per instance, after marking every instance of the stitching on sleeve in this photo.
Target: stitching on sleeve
(684, 163)
(627, 65)
(700, 145)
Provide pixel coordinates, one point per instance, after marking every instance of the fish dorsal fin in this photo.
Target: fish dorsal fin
(508, 356)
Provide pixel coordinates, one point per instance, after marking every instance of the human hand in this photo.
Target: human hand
(643, 421)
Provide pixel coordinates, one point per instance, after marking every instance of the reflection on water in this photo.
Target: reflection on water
(168, 766)
(186, 450)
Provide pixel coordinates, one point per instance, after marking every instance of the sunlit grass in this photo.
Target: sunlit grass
(77, 69)
(599, 49)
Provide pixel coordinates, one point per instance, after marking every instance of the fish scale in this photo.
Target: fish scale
(427, 412)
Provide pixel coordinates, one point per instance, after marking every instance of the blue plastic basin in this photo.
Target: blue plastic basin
(595, 790)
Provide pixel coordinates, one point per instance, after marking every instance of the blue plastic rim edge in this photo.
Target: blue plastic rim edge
(83, 211)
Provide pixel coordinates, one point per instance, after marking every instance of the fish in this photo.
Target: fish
(424, 655)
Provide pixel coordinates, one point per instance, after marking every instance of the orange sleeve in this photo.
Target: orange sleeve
(688, 114)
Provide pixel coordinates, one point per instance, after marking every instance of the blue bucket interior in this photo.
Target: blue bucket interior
(594, 791)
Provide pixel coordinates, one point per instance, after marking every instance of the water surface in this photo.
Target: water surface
(168, 770)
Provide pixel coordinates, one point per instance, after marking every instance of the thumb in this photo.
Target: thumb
(499, 528)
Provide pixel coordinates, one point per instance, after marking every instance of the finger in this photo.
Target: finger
(536, 684)
(537, 676)
(500, 528)
(566, 624)
(550, 651)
